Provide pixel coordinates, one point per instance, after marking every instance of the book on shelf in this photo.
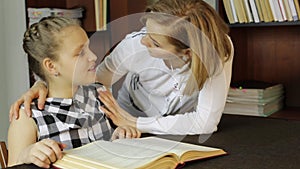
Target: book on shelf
(100, 14)
(235, 17)
(240, 11)
(254, 11)
(259, 10)
(147, 152)
(293, 10)
(266, 10)
(229, 12)
(212, 3)
(297, 8)
(282, 10)
(248, 11)
(287, 10)
(36, 14)
(255, 98)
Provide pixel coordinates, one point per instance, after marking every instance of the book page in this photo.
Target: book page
(165, 145)
(112, 155)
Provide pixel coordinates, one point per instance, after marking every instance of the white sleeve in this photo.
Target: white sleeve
(204, 120)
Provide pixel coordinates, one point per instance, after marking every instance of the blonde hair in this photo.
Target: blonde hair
(40, 41)
(210, 48)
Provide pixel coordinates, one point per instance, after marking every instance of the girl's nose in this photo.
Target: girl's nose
(145, 41)
(92, 56)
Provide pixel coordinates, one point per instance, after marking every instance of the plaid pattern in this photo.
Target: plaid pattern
(74, 122)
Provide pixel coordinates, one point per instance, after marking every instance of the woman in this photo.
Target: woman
(178, 71)
(58, 52)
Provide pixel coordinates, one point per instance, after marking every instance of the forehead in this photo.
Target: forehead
(155, 28)
(71, 39)
(72, 33)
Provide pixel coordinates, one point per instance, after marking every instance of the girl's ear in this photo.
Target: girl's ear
(49, 66)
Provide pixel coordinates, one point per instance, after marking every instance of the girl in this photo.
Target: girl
(58, 52)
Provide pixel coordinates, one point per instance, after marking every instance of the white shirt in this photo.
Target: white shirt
(153, 92)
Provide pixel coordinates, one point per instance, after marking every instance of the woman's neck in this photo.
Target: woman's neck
(174, 63)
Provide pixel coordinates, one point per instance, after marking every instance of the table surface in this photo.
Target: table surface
(251, 143)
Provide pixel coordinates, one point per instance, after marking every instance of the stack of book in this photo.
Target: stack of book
(36, 14)
(247, 11)
(254, 98)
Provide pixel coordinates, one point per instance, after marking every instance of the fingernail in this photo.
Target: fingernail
(102, 88)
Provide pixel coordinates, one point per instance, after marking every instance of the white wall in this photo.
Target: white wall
(13, 65)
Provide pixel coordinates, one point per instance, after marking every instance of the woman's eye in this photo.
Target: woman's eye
(155, 44)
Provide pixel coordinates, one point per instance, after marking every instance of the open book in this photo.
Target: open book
(148, 152)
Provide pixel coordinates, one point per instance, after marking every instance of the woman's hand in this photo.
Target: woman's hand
(113, 111)
(125, 132)
(38, 90)
(42, 153)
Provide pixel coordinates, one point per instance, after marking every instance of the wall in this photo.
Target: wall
(13, 66)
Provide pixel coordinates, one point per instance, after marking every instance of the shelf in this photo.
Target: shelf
(289, 113)
(264, 24)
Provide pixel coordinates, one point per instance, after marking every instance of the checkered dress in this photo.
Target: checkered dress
(74, 122)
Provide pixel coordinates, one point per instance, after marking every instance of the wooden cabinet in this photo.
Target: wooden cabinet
(268, 52)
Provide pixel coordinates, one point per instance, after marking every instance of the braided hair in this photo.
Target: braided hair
(40, 41)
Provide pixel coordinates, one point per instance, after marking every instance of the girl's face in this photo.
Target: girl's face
(157, 42)
(76, 61)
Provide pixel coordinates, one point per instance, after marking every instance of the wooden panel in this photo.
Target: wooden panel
(121, 23)
(45, 3)
(269, 54)
(89, 19)
(240, 71)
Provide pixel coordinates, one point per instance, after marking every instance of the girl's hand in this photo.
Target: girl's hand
(119, 116)
(125, 132)
(42, 153)
(38, 90)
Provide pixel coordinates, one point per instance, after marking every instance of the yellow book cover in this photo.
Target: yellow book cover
(265, 11)
(297, 8)
(148, 152)
(228, 11)
(241, 13)
(287, 10)
(259, 10)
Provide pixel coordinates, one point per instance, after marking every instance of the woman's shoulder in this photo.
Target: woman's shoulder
(135, 34)
(133, 39)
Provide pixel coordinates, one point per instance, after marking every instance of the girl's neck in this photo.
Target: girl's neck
(61, 91)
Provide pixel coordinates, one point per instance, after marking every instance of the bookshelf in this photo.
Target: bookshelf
(268, 51)
(101, 41)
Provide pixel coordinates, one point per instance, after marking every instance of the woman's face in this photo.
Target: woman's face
(76, 61)
(157, 42)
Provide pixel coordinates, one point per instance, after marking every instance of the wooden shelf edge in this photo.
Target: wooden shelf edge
(264, 24)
